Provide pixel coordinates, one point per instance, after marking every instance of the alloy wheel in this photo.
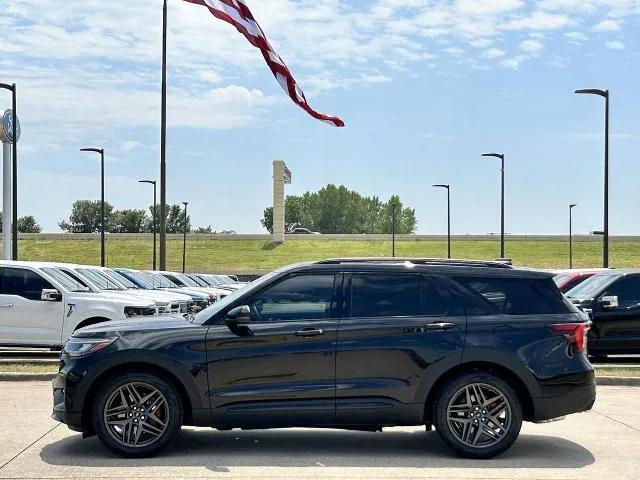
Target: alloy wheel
(136, 414)
(479, 415)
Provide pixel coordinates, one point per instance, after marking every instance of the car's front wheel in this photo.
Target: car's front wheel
(137, 414)
(478, 415)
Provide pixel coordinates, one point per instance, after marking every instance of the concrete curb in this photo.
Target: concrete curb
(43, 377)
(26, 377)
(618, 381)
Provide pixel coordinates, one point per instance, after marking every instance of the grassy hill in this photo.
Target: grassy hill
(215, 255)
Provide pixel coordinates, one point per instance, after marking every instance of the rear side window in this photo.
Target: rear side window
(518, 296)
(22, 283)
(394, 296)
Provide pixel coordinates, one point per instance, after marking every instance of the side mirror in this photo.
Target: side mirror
(609, 301)
(239, 316)
(50, 295)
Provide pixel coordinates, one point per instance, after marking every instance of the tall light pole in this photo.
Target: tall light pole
(163, 145)
(605, 237)
(393, 229)
(154, 183)
(102, 222)
(448, 187)
(184, 239)
(14, 167)
(571, 207)
(501, 157)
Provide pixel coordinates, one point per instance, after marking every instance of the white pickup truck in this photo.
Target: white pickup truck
(41, 306)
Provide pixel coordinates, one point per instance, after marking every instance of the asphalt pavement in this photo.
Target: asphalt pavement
(601, 444)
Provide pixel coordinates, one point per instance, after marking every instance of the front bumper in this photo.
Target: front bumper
(62, 411)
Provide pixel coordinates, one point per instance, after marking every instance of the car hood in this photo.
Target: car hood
(160, 296)
(140, 324)
(111, 297)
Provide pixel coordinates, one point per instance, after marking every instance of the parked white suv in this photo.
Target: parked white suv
(105, 280)
(41, 306)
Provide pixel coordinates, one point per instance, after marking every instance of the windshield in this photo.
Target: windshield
(592, 286)
(221, 304)
(119, 278)
(65, 280)
(186, 280)
(198, 281)
(158, 281)
(100, 280)
(138, 278)
(562, 278)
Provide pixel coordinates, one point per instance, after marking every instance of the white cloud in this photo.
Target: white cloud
(531, 46)
(615, 45)
(481, 42)
(455, 51)
(493, 53)
(514, 62)
(129, 145)
(576, 37)
(606, 26)
(487, 7)
(538, 20)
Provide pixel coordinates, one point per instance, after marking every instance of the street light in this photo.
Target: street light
(14, 166)
(102, 223)
(393, 229)
(448, 187)
(605, 235)
(571, 207)
(501, 157)
(154, 183)
(184, 239)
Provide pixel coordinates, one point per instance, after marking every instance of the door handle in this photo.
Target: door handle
(310, 332)
(6, 305)
(440, 326)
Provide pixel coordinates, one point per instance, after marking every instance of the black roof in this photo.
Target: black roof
(439, 266)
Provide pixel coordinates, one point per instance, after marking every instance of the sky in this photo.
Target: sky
(424, 86)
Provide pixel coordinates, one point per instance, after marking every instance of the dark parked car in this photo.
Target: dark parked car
(612, 298)
(472, 348)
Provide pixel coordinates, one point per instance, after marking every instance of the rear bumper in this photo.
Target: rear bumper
(579, 398)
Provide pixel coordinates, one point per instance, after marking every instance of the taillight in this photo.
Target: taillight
(575, 333)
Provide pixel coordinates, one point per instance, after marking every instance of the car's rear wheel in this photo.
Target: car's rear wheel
(478, 415)
(137, 414)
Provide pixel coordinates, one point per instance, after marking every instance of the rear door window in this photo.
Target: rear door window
(518, 296)
(389, 295)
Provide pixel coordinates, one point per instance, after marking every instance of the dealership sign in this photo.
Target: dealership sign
(8, 126)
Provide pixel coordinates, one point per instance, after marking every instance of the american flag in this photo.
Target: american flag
(237, 13)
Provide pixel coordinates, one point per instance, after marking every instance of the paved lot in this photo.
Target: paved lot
(601, 444)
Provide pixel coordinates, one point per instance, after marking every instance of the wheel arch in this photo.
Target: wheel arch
(93, 320)
(145, 366)
(520, 387)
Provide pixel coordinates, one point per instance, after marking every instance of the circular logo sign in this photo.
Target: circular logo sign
(9, 126)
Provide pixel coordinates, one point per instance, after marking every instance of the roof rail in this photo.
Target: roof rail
(418, 261)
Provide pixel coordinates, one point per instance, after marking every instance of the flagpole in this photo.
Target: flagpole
(163, 146)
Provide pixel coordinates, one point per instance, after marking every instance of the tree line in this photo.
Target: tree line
(340, 210)
(26, 224)
(86, 218)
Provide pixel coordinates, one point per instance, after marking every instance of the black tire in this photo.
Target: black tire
(453, 432)
(168, 406)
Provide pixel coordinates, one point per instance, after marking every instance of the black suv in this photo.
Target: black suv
(612, 298)
(472, 348)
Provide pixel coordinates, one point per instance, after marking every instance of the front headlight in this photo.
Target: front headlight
(80, 347)
(139, 311)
